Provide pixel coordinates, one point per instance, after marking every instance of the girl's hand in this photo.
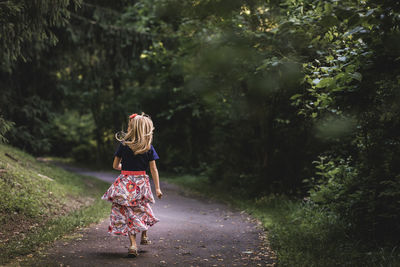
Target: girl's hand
(159, 193)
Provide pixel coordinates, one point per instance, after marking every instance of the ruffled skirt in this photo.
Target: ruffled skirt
(131, 197)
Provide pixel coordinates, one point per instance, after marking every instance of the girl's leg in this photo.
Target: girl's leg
(132, 251)
(144, 234)
(144, 240)
(132, 238)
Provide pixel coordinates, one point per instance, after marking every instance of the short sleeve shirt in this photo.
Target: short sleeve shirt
(132, 162)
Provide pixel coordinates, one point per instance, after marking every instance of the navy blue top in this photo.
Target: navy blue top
(132, 162)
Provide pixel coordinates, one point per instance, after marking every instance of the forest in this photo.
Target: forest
(296, 98)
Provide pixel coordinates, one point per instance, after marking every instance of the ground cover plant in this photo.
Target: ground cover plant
(301, 232)
(41, 202)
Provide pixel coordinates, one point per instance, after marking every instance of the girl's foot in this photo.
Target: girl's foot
(132, 252)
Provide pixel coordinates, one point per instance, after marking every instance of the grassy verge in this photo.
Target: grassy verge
(41, 202)
(301, 233)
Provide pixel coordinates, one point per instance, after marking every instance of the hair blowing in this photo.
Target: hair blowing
(139, 134)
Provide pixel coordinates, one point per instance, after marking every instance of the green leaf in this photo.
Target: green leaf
(325, 82)
(353, 31)
(293, 97)
(357, 76)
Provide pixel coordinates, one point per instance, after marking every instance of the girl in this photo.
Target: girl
(131, 192)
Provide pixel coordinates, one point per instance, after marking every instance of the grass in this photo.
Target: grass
(41, 202)
(301, 233)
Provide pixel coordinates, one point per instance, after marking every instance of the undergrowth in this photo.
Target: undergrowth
(301, 233)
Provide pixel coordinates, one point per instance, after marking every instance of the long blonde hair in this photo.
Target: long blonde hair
(139, 134)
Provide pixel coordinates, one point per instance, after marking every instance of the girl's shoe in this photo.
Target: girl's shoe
(132, 252)
(145, 241)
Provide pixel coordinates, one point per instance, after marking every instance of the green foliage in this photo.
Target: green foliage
(309, 235)
(27, 27)
(302, 233)
(28, 97)
(334, 178)
(31, 124)
(42, 201)
(31, 188)
(250, 93)
(342, 190)
(351, 102)
(53, 230)
(5, 126)
(218, 92)
(72, 135)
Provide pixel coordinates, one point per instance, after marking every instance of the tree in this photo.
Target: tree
(28, 29)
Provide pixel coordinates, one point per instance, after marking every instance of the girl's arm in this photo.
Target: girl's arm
(154, 175)
(117, 163)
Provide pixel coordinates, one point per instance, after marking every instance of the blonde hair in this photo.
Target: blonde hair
(139, 134)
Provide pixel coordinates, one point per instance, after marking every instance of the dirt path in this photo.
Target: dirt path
(191, 232)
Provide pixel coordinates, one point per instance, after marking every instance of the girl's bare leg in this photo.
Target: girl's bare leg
(144, 240)
(132, 238)
(144, 234)
(132, 251)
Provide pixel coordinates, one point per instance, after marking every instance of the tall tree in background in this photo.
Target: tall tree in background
(283, 85)
(26, 84)
(259, 95)
(98, 68)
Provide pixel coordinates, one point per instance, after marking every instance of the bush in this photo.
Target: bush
(5, 126)
(367, 204)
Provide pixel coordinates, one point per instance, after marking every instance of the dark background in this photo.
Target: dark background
(262, 97)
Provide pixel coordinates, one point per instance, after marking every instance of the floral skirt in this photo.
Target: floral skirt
(131, 197)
